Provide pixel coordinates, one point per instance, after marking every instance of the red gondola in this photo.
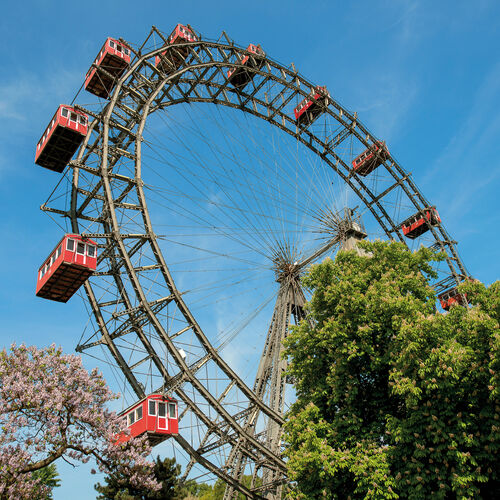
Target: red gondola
(61, 138)
(239, 77)
(156, 415)
(450, 297)
(419, 223)
(370, 159)
(311, 107)
(114, 57)
(173, 60)
(68, 266)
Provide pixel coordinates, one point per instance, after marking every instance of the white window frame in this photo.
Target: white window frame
(83, 251)
(67, 245)
(131, 418)
(175, 410)
(162, 420)
(137, 410)
(165, 405)
(155, 407)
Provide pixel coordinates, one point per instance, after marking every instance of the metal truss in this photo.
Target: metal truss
(145, 332)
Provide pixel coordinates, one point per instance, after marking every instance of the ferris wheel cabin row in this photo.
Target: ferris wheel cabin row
(75, 258)
(69, 126)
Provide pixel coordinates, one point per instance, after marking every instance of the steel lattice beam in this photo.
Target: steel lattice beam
(115, 138)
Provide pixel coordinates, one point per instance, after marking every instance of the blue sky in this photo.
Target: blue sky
(424, 76)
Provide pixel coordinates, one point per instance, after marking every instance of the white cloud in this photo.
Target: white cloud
(466, 161)
(389, 86)
(390, 100)
(26, 96)
(27, 104)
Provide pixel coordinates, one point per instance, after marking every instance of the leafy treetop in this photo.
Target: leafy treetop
(394, 399)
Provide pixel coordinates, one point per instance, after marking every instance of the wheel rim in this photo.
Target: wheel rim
(108, 183)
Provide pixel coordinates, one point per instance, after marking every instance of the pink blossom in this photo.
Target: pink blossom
(51, 407)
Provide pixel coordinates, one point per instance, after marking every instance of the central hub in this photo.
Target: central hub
(343, 224)
(285, 269)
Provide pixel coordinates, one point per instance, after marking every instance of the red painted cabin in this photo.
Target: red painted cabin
(61, 139)
(370, 159)
(419, 223)
(312, 106)
(174, 59)
(450, 297)
(156, 415)
(68, 266)
(239, 77)
(114, 57)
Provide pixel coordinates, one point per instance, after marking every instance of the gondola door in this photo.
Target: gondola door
(162, 416)
(80, 253)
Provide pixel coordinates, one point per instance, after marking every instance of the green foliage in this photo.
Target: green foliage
(166, 472)
(198, 490)
(203, 491)
(216, 492)
(394, 399)
(47, 476)
(119, 487)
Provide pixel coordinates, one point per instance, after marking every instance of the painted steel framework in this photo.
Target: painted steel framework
(107, 188)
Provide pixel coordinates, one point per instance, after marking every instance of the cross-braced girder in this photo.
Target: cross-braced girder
(141, 315)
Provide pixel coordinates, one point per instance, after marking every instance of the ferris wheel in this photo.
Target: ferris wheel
(208, 178)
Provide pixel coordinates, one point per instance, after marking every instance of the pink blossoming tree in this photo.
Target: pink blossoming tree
(51, 407)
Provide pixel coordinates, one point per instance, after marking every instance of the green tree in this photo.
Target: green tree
(47, 476)
(203, 491)
(198, 490)
(166, 472)
(394, 399)
(216, 492)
